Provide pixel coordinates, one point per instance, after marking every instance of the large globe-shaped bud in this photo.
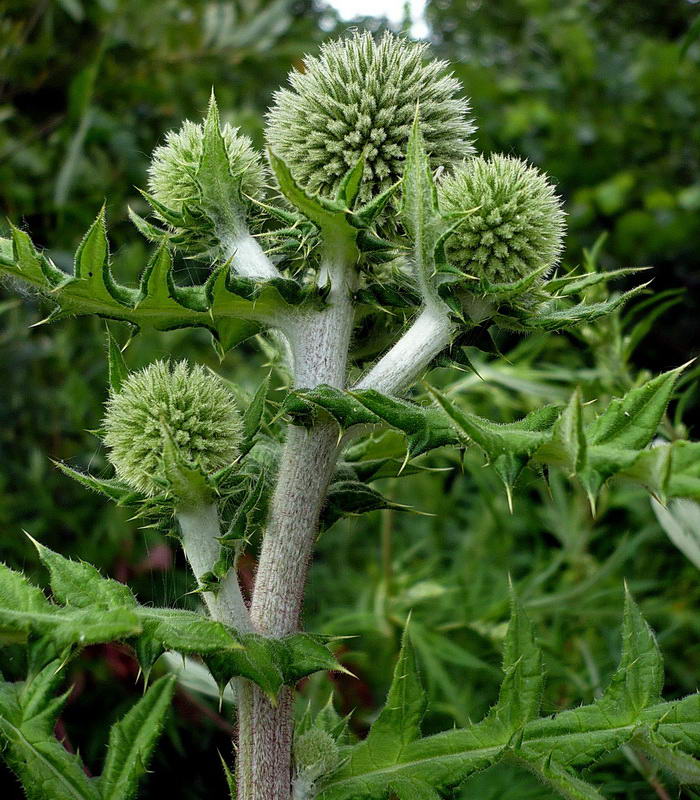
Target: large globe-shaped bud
(360, 95)
(515, 225)
(170, 404)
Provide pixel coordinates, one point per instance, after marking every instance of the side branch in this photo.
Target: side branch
(429, 334)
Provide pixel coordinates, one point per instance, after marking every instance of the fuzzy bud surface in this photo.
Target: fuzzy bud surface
(360, 95)
(518, 225)
(187, 403)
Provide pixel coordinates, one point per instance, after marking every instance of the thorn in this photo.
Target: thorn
(509, 495)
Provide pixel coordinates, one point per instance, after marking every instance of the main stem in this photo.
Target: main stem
(319, 344)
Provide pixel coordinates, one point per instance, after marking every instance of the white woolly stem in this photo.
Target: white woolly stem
(247, 257)
(429, 334)
(319, 344)
(200, 540)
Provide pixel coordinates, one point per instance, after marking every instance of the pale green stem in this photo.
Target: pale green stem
(201, 530)
(428, 335)
(319, 345)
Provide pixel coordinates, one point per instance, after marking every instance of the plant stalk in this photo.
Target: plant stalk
(200, 540)
(319, 344)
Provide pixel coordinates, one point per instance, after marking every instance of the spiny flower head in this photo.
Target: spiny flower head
(315, 753)
(172, 174)
(361, 95)
(518, 225)
(187, 405)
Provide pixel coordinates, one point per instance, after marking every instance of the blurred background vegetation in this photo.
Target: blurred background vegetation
(601, 94)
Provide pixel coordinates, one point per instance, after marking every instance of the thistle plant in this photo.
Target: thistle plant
(371, 159)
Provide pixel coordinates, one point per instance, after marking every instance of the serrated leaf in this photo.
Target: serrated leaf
(346, 498)
(631, 421)
(638, 680)
(425, 427)
(79, 584)
(563, 781)
(24, 609)
(220, 192)
(420, 214)
(109, 487)
(27, 718)
(551, 747)
(330, 216)
(132, 739)
(231, 308)
(521, 691)
(253, 416)
(118, 371)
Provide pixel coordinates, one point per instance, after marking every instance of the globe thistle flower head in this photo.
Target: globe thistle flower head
(315, 753)
(186, 405)
(518, 225)
(360, 96)
(172, 174)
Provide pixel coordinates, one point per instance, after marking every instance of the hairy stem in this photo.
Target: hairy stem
(319, 345)
(200, 540)
(247, 257)
(429, 334)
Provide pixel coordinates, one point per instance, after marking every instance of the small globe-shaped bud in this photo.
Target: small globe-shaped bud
(172, 174)
(315, 753)
(518, 225)
(361, 95)
(186, 405)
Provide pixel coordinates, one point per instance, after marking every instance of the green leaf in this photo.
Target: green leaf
(220, 192)
(109, 487)
(612, 443)
(638, 680)
(521, 691)
(345, 498)
(45, 768)
(631, 421)
(253, 416)
(24, 609)
(420, 214)
(118, 371)
(232, 308)
(557, 777)
(398, 725)
(330, 216)
(132, 739)
(667, 754)
(79, 584)
(425, 427)
(551, 747)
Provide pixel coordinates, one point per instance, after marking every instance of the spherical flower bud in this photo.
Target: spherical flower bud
(172, 174)
(361, 95)
(170, 403)
(315, 753)
(517, 227)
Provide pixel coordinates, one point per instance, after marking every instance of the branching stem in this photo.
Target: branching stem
(429, 334)
(200, 540)
(319, 342)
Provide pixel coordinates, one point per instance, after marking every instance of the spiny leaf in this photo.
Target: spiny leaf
(563, 781)
(521, 691)
(420, 214)
(425, 427)
(612, 443)
(79, 584)
(132, 739)
(231, 308)
(330, 216)
(27, 718)
(638, 680)
(551, 747)
(118, 371)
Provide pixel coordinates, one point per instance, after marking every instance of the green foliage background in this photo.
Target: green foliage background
(603, 96)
